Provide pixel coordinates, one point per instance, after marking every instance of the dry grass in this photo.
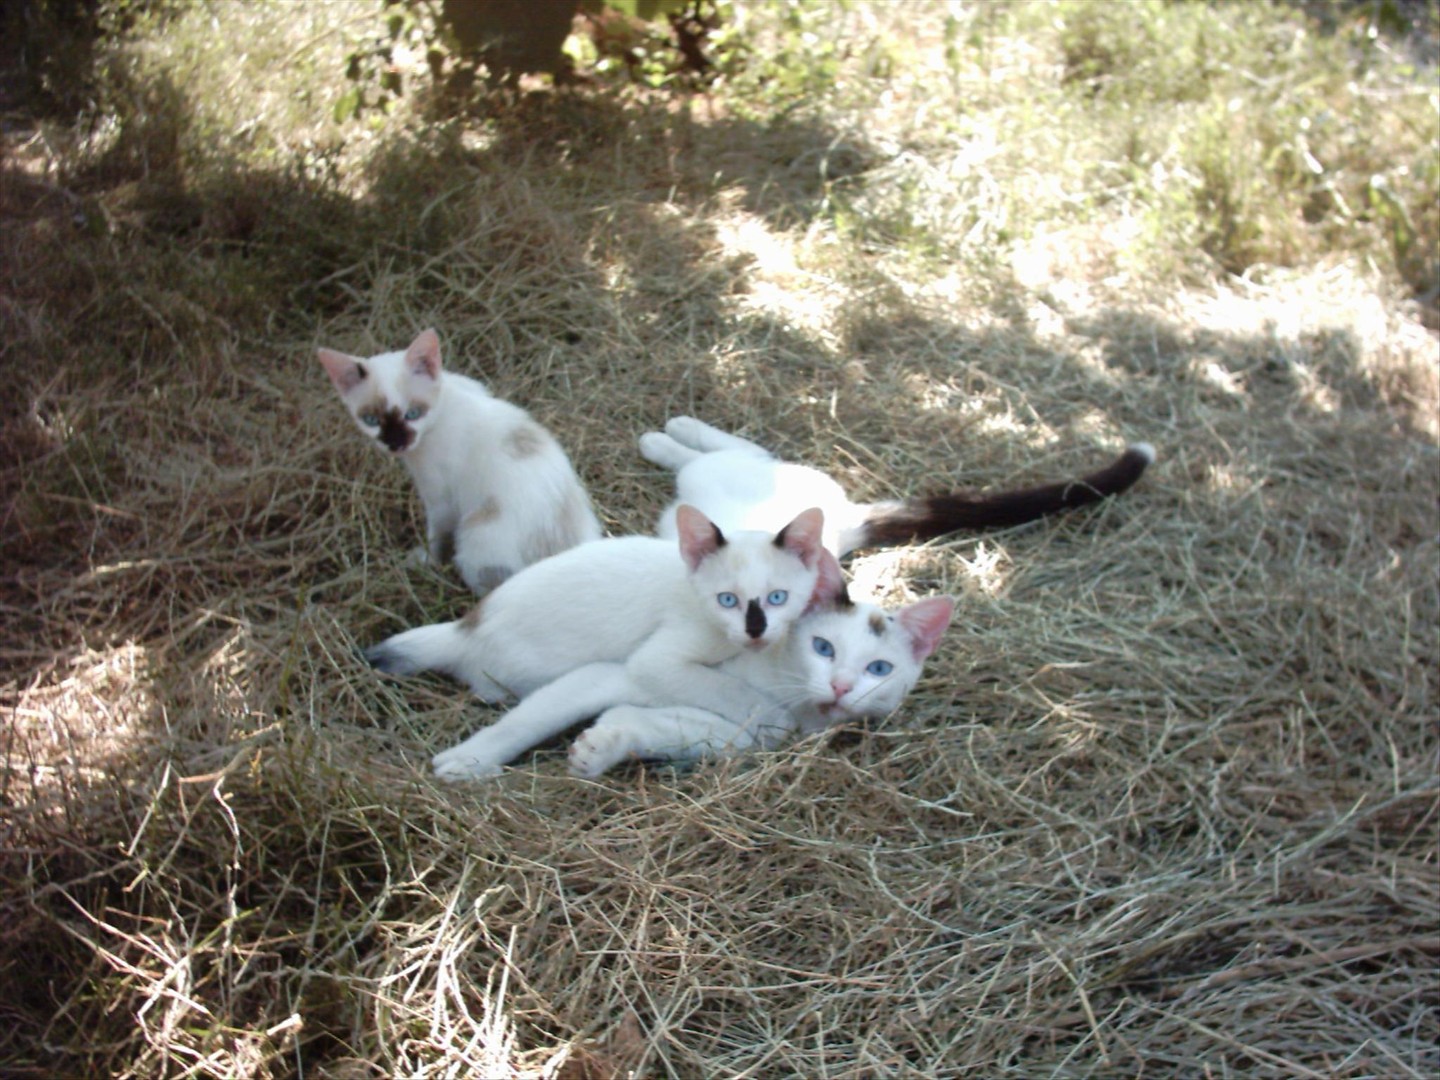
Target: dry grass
(1164, 804)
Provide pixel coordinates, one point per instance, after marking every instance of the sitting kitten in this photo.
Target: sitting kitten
(741, 485)
(499, 493)
(840, 661)
(674, 608)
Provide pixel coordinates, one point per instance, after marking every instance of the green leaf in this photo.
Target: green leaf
(647, 10)
(348, 105)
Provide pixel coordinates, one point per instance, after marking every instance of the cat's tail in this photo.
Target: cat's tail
(449, 648)
(929, 516)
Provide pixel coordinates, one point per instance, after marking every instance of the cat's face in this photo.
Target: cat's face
(753, 584)
(391, 396)
(857, 660)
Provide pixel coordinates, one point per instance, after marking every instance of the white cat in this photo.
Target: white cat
(741, 485)
(668, 609)
(840, 661)
(498, 490)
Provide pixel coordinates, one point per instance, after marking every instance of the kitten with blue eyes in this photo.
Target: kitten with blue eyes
(499, 492)
(665, 613)
(845, 661)
(840, 661)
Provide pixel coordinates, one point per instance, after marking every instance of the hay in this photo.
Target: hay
(1164, 803)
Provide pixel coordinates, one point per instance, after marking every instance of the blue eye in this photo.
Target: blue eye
(414, 412)
(823, 647)
(370, 419)
(728, 600)
(880, 668)
(778, 597)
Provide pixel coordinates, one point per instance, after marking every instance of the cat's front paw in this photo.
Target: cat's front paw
(688, 431)
(598, 749)
(658, 449)
(457, 763)
(417, 557)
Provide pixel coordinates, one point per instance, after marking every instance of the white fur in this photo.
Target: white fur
(809, 689)
(495, 484)
(741, 485)
(635, 599)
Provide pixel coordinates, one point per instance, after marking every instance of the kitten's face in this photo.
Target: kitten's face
(754, 585)
(391, 395)
(860, 660)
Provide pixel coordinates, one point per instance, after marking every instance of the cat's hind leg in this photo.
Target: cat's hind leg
(698, 435)
(657, 447)
(486, 550)
(671, 733)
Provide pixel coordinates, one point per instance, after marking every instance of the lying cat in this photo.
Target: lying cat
(669, 610)
(840, 661)
(741, 485)
(499, 493)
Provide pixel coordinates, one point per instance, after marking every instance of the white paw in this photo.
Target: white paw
(655, 447)
(457, 763)
(687, 431)
(597, 749)
(417, 556)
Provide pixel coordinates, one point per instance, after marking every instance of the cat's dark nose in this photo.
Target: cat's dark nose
(394, 432)
(754, 620)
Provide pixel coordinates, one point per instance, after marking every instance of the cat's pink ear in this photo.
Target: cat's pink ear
(423, 356)
(830, 591)
(925, 621)
(802, 536)
(699, 536)
(345, 372)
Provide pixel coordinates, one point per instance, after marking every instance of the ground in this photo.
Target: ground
(1166, 799)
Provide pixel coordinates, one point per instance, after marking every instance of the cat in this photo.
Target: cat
(666, 609)
(841, 661)
(844, 663)
(498, 490)
(741, 485)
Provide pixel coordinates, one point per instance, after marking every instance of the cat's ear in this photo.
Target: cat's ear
(423, 356)
(346, 372)
(830, 591)
(925, 621)
(802, 536)
(699, 536)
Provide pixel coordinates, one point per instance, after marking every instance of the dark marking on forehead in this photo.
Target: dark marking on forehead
(877, 624)
(524, 441)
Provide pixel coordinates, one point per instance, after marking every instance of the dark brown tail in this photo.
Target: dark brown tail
(929, 516)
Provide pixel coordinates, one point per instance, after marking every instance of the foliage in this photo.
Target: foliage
(507, 38)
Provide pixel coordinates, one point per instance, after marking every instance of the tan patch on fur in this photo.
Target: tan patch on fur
(564, 532)
(471, 619)
(483, 514)
(877, 624)
(527, 440)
